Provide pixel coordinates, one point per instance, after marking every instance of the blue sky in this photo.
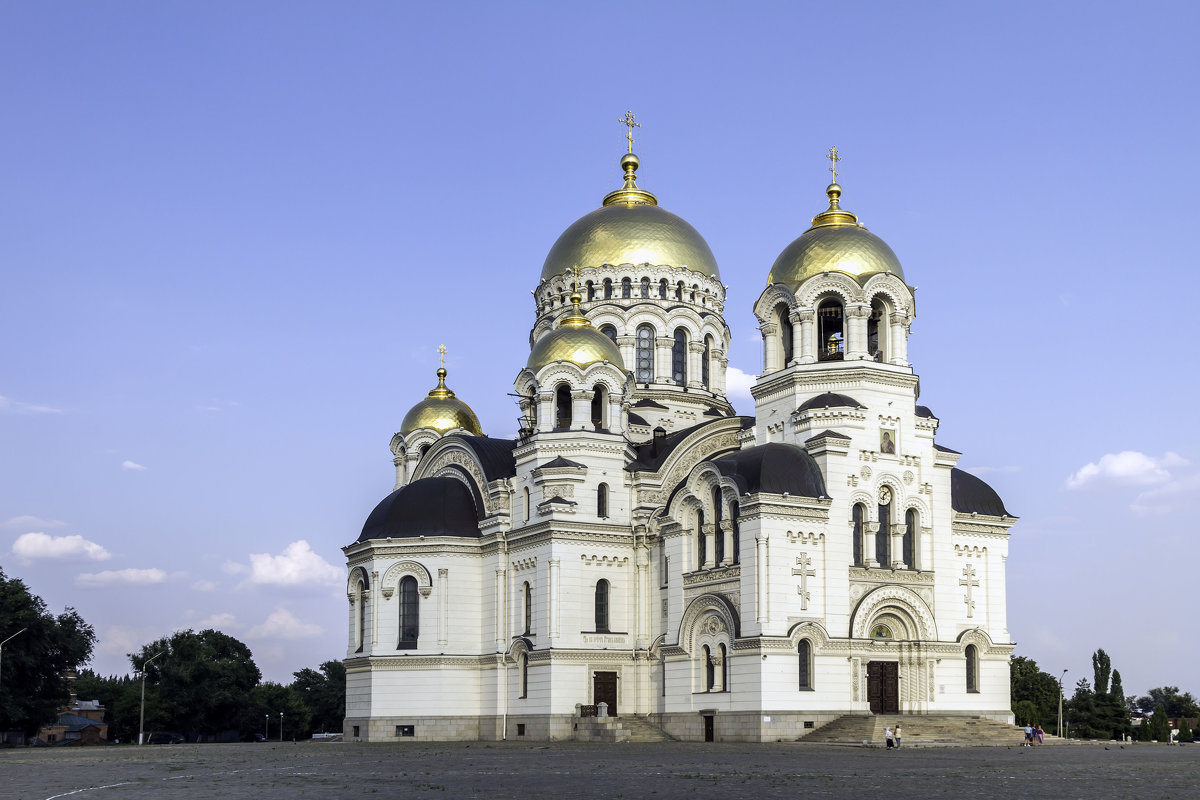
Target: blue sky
(233, 235)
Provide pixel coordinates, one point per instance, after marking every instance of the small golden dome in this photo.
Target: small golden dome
(575, 340)
(836, 242)
(630, 228)
(442, 411)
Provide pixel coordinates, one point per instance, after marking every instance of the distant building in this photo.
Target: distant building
(639, 547)
(80, 722)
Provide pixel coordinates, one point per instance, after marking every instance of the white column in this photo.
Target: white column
(373, 608)
(808, 336)
(718, 366)
(794, 319)
(546, 412)
(763, 612)
(443, 622)
(662, 359)
(628, 352)
(869, 530)
(695, 357)
(710, 546)
(725, 531)
(581, 410)
(856, 331)
(641, 637)
(896, 557)
(771, 354)
(898, 341)
(501, 609)
(553, 598)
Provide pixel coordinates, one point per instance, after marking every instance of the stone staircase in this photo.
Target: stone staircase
(920, 730)
(642, 729)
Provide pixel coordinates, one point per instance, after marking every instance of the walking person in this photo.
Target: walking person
(889, 737)
(1040, 734)
(896, 735)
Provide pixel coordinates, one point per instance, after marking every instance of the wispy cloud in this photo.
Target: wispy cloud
(282, 624)
(10, 406)
(121, 577)
(204, 586)
(37, 545)
(297, 566)
(131, 465)
(1173, 495)
(219, 621)
(1129, 468)
(737, 387)
(27, 522)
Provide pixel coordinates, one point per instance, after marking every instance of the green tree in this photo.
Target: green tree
(1159, 729)
(32, 684)
(266, 701)
(1169, 697)
(1185, 731)
(200, 684)
(324, 692)
(1036, 688)
(1101, 668)
(120, 695)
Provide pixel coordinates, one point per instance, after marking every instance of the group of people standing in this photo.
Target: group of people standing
(1034, 735)
(892, 736)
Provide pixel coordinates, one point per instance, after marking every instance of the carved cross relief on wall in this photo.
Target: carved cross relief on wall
(969, 580)
(804, 571)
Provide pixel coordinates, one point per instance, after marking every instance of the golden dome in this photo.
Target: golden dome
(630, 228)
(575, 340)
(836, 242)
(442, 411)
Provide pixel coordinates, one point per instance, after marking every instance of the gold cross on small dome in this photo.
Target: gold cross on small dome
(442, 355)
(627, 121)
(834, 158)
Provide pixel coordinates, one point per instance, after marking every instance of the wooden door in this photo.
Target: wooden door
(604, 690)
(883, 687)
(709, 728)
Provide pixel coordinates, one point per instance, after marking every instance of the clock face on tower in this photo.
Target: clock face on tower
(885, 496)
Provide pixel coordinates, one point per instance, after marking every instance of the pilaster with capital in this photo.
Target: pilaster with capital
(695, 367)
(662, 359)
(899, 339)
(772, 352)
(581, 410)
(762, 613)
(896, 556)
(808, 343)
(857, 315)
(725, 531)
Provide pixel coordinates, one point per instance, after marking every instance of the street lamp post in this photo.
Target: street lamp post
(1060, 703)
(6, 641)
(266, 726)
(142, 715)
(281, 727)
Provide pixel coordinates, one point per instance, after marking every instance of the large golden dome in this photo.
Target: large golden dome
(630, 228)
(575, 340)
(834, 243)
(442, 411)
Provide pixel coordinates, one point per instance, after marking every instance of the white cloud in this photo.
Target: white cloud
(737, 386)
(204, 586)
(10, 406)
(234, 568)
(1127, 467)
(217, 621)
(282, 624)
(26, 521)
(43, 545)
(115, 577)
(298, 566)
(1171, 496)
(131, 465)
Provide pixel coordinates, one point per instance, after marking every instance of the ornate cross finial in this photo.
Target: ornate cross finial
(834, 159)
(442, 355)
(627, 121)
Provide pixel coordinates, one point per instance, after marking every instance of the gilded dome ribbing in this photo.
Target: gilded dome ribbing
(576, 341)
(442, 411)
(630, 228)
(836, 242)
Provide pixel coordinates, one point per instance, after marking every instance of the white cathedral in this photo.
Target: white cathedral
(639, 551)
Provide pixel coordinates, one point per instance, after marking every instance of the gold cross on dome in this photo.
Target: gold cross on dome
(442, 355)
(834, 158)
(627, 121)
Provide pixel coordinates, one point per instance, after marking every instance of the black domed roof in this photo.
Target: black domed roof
(968, 493)
(830, 400)
(428, 507)
(776, 468)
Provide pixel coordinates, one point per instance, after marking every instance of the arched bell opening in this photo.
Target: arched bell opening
(831, 331)
(600, 407)
(784, 324)
(879, 330)
(562, 407)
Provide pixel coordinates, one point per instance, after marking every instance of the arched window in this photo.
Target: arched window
(734, 511)
(679, 357)
(562, 407)
(645, 287)
(723, 657)
(410, 614)
(860, 516)
(710, 673)
(804, 657)
(527, 607)
(972, 669)
(645, 354)
(719, 543)
(591, 291)
(705, 363)
(608, 289)
(609, 331)
(602, 500)
(662, 289)
(524, 675)
(885, 527)
(877, 330)
(785, 333)
(830, 333)
(601, 606)
(599, 407)
(701, 542)
(626, 288)
(912, 521)
(525, 499)
(693, 294)
(360, 633)
(679, 291)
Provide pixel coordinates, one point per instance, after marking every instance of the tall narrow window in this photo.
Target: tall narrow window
(706, 363)
(877, 330)
(525, 501)
(912, 521)
(626, 288)
(734, 511)
(804, 657)
(645, 354)
(645, 287)
(972, 669)
(662, 289)
(562, 407)
(885, 527)
(710, 673)
(602, 500)
(679, 291)
(601, 606)
(701, 542)
(723, 657)
(785, 334)
(361, 624)
(608, 289)
(719, 543)
(527, 607)
(860, 516)
(679, 357)
(591, 291)
(599, 407)
(524, 675)
(410, 620)
(830, 339)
